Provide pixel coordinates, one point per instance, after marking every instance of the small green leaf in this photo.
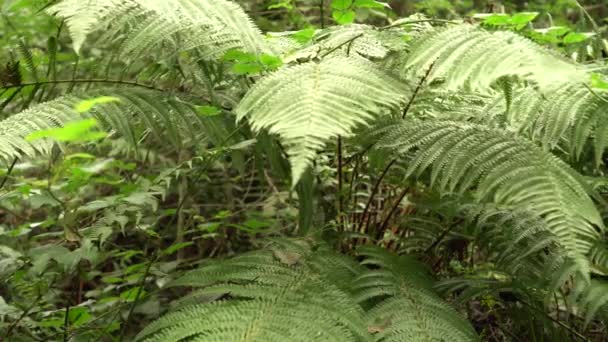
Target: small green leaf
(246, 68)
(271, 62)
(497, 19)
(371, 4)
(207, 110)
(523, 18)
(575, 37)
(341, 5)
(131, 294)
(86, 105)
(282, 4)
(236, 55)
(76, 131)
(304, 36)
(176, 247)
(598, 82)
(343, 17)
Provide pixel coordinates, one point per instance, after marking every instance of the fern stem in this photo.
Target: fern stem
(387, 219)
(80, 80)
(417, 89)
(373, 194)
(339, 171)
(335, 48)
(8, 172)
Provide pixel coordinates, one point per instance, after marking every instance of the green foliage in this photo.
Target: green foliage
(298, 291)
(183, 176)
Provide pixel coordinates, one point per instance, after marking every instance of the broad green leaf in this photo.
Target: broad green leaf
(86, 105)
(271, 62)
(207, 110)
(371, 4)
(76, 131)
(131, 294)
(341, 5)
(343, 17)
(246, 68)
(304, 36)
(176, 247)
(575, 37)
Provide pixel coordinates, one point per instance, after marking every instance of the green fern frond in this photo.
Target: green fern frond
(409, 309)
(282, 293)
(215, 25)
(168, 119)
(566, 114)
(593, 300)
(502, 168)
(309, 104)
(467, 56)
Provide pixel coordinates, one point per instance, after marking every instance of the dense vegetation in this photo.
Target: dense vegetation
(202, 170)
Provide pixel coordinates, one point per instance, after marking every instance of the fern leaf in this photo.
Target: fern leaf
(412, 311)
(504, 169)
(218, 25)
(467, 56)
(270, 300)
(311, 103)
(170, 120)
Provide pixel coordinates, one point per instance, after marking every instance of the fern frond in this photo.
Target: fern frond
(412, 311)
(283, 293)
(311, 103)
(169, 120)
(468, 56)
(502, 168)
(217, 25)
(566, 114)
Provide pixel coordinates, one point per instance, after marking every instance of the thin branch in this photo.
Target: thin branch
(339, 171)
(8, 172)
(22, 316)
(373, 194)
(409, 22)
(393, 210)
(140, 285)
(82, 80)
(560, 323)
(443, 234)
(348, 41)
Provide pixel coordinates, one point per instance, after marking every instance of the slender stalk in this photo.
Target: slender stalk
(392, 211)
(140, 285)
(417, 89)
(82, 80)
(339, 195)
(22, 316)
(66, 323)
(373, 194)
(322, 14)
(8, 172)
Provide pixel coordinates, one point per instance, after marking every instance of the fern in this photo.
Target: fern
(297, 290)
(467, 56)
(566, 114)
(168, 119)
(408, 310)
(282, 293)
(215, 25)
(311, 103)
(501, 168)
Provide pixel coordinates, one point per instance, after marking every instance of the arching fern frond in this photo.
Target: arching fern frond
(566, 114)
(409, 309)
(501, 168)
(167, 118)
(215, 25)
(467, 56)
(311, 103)
(286, 292)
